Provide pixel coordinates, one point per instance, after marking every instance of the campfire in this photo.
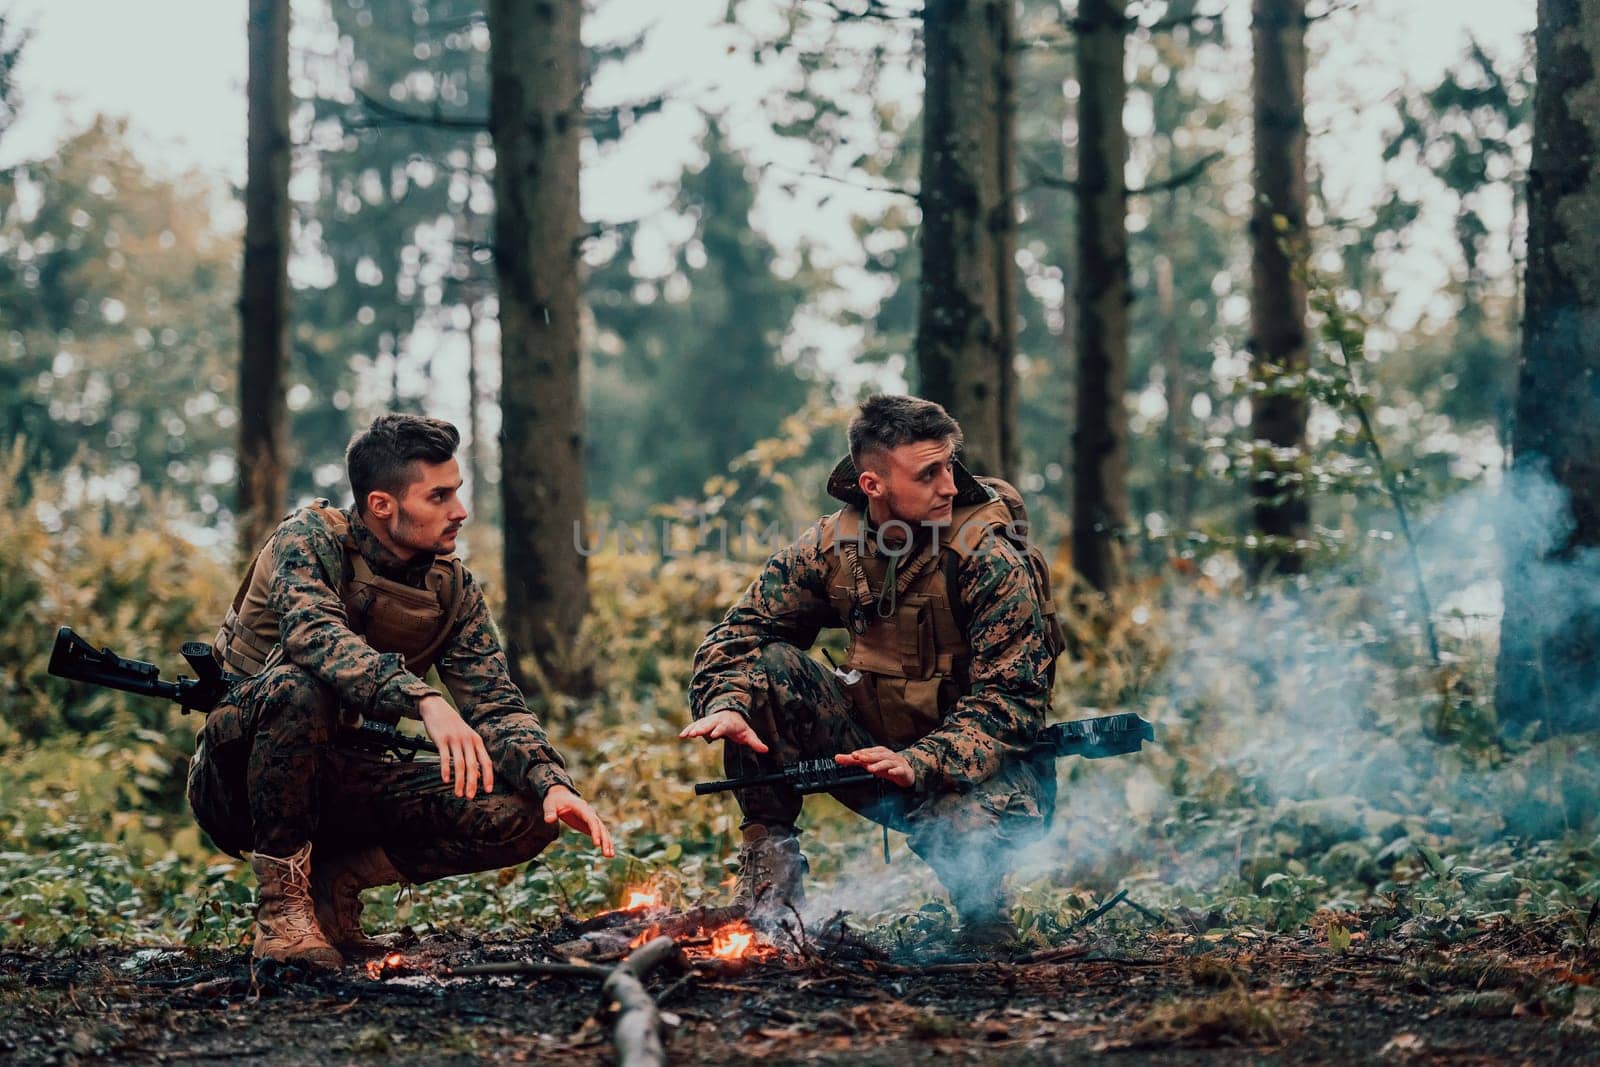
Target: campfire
(388, 966)
(734, 941)
(738, 941)
(639, 898)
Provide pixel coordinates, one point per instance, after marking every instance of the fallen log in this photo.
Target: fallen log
(637, 1031)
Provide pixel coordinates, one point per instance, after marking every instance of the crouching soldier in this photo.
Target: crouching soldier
(341, 615)
(947, 679)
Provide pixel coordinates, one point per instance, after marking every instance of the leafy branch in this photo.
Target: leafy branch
(1347, 332)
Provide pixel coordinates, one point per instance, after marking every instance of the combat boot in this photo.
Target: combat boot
(286, 920)
(772, 873)
(985, 912)
(336, 886)
(975, 878)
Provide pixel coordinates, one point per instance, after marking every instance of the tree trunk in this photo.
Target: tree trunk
(1100, 440)
(1282, 512)
(264, 289)
(475, 456)
(1174, 441)
(536, 118)
(966, 318)
(1549, 668)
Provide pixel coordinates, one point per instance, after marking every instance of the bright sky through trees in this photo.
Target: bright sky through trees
(176, 69)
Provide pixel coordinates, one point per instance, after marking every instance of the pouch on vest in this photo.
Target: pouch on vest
(907, 709)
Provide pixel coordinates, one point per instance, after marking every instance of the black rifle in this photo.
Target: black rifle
(75, 659)
(1095, 738)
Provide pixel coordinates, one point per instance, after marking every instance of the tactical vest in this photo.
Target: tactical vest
(388, 615)
(910, 642)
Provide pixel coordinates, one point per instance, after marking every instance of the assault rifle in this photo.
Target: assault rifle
(75, 659)
(1093, 738)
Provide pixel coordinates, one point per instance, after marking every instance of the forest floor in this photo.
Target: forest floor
(1502, 992)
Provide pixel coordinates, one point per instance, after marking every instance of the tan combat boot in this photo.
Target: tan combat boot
(772, 873)
(985, 910)
(336, 887)
(286, 922)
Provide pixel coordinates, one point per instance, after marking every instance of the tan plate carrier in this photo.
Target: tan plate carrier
(389, 615)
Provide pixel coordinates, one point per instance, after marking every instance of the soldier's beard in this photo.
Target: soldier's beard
(895, 506)
(407, 532)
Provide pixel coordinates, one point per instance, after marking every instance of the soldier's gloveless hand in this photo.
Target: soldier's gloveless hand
(562, 803)
(881, 762)
(462, 757)
(725, 726)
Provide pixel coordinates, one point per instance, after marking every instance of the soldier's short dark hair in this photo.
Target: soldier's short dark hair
(384, 456)
(886, 422)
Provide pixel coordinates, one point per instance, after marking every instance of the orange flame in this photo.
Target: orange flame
(730, 943)
(737, 940)
(637, 900)
(646, 936)
(392, 961)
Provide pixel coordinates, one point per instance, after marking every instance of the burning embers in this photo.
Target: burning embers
(739, 941)
(389, 966)
(702, 933)
(736, 940)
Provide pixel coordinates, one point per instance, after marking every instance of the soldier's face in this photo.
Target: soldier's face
(914, 483)
(428, 517)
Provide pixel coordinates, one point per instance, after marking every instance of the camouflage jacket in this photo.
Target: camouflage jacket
(1007, 696)
(308, 565)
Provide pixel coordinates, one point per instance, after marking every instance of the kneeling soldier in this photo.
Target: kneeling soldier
(947, 680)
(341, 615)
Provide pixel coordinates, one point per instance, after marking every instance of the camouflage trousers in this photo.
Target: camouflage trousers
(802, 712)
(268, 776)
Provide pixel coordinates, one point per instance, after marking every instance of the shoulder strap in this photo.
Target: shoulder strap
(839, 535)
(331, 516)
(970, 526)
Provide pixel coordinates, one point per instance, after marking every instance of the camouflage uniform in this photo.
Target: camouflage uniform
(975, 797)
(266, 775)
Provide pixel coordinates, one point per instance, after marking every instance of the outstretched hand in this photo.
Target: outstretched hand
(562, 803)
(882, 763)
(725, 726)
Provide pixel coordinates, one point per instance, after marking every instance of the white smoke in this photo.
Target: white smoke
(1292, 720)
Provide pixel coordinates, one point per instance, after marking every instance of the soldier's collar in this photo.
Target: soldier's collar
(383, 561)
(844, 486)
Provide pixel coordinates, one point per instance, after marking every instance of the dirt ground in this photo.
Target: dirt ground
(1504, 994)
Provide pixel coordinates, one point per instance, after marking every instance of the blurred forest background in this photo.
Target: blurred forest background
(1248, 338)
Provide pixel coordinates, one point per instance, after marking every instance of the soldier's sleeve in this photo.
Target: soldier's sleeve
(475, 670)
(1009, 695)
(788, 601)
(316, 633)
